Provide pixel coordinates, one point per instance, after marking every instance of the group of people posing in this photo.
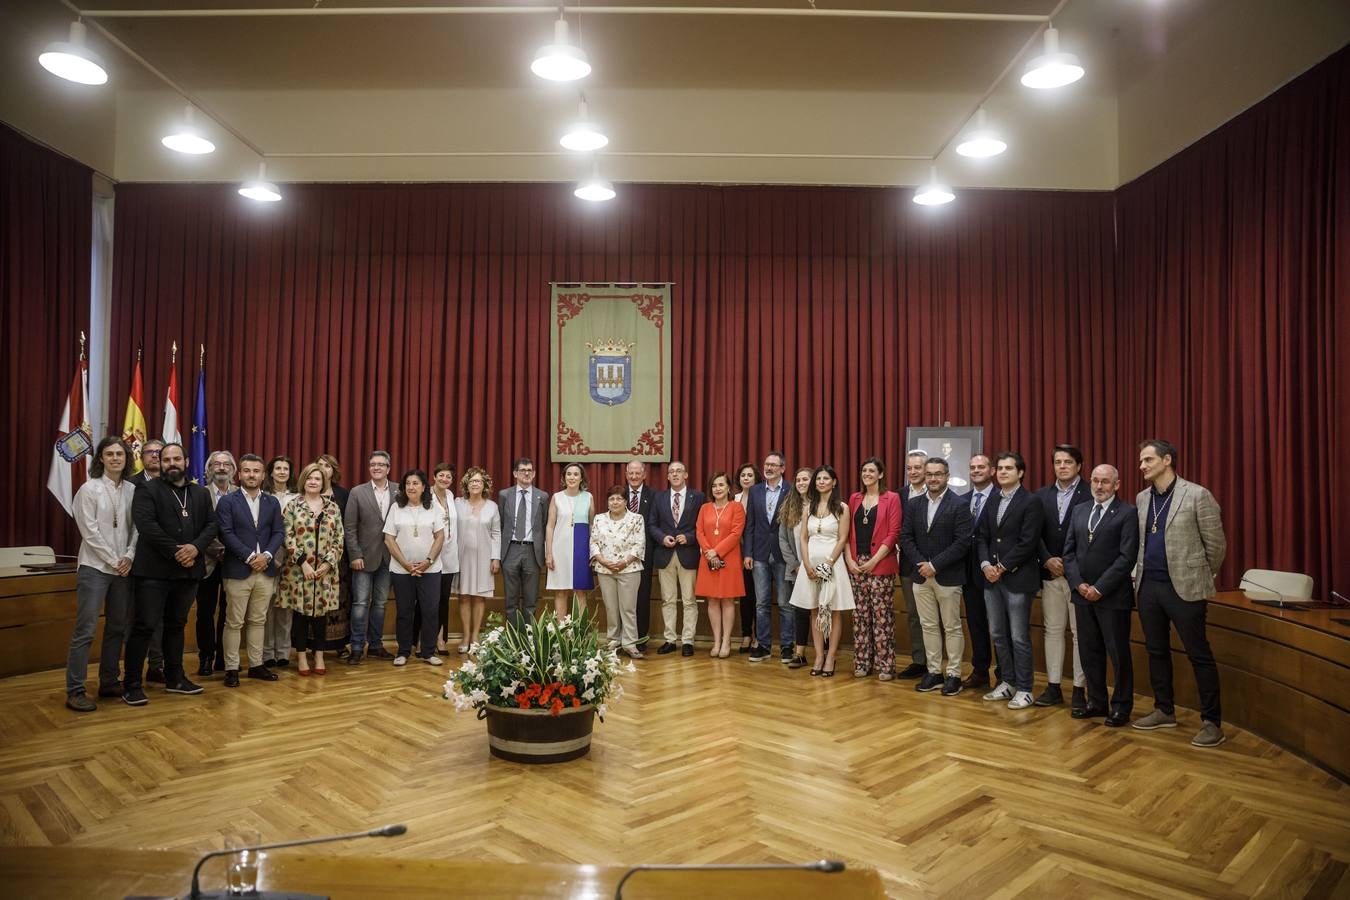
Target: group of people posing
(267, 559)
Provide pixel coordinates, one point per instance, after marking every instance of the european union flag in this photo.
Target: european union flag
(200, 449)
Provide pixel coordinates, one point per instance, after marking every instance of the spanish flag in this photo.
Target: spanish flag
(133, 424)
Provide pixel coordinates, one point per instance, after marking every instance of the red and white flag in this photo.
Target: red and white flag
(74, 442)
(170, 432)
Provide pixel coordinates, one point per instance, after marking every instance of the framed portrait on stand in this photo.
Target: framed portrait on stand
(955, 445)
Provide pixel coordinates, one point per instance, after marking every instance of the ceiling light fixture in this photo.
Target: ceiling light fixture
(595, 189)
(72, 60)
(1052, 68)
(561, 60)
(583, 135)
(981, 142)
(187, 138)
(260, 188)
(934, 193)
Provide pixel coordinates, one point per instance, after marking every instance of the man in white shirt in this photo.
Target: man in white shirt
(916, 487)
(981, 652)
(103, 580)
(523, 508)
(672, 530)
(251, 529)
(367, 508)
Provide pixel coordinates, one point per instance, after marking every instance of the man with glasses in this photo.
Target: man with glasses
(523, 508)
(367, 507)
(764, 558)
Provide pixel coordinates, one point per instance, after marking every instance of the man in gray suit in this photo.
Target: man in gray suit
(1181, 547)
(367, 506)
(523, 509)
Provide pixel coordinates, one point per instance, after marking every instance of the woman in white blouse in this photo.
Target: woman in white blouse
(618, 543)
(414, 531)
(280, 483)
(480, 548)
(443, 488)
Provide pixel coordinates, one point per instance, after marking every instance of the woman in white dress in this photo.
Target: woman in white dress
(480, 550)
(567, 541)
(443, 485)
(822, 582)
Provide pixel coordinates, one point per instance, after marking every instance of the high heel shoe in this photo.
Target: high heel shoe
(302, 664)
(816, 672)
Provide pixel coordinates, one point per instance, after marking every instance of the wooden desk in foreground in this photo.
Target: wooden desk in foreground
(50, 872)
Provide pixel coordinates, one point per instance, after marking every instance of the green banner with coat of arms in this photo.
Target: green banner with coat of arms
(610, 372)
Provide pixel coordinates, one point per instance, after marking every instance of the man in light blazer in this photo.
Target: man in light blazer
(759, 547)
(368, 506)
(1099, 554)
(1009, 544)
(251, 530)
(524, 509)
(935, 535)
(1181, 547)
(671, 531)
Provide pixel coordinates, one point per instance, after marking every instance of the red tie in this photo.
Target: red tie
(675, 507)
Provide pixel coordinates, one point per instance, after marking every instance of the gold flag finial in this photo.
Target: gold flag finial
(139, 348)
(83, 340)
(201, 359)
(173, 358)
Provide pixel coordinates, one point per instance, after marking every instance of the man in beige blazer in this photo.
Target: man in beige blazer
(1181, 547)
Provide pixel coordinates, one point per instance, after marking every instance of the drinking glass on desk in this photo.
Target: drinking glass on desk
(241, 869)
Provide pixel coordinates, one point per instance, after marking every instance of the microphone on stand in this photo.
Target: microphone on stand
(826, 866)
(53, 555)
(1339, 599)
(1282, 603)
(198, 894)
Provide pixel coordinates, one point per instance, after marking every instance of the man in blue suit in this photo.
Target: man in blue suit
(251, 530)
(671, 531)
(759, 546)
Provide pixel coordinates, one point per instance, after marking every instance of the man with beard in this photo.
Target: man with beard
(150, 451)
(250, 527)
(220, 467)
(175, 523)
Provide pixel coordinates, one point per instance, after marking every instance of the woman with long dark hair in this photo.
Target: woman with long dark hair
(825, 589)
(790, 516)
(721, 522)
(280, 483)
(414, 531)
(567, 541)
(747, 476)
(871, 557)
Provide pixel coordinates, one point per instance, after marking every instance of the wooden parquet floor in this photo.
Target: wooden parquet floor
(703, 761)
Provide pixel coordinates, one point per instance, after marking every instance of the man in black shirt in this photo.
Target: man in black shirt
(175, 523)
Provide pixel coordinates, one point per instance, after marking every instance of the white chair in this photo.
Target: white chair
(1268, 584)
(13, 557)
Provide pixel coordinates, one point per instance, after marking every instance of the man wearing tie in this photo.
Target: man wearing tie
(671, 529)
(523, 509)
(1181, 548)
(981, 654)
(1058, 500)
(1099, 552)
(1009, 540)
(640, 499)
(936, 535)
(363, 533)
(916, 488)
(251, 530)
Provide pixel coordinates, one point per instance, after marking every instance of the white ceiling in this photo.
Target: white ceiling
(720, 98)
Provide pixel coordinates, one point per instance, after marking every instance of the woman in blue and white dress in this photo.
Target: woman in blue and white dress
(567, 541)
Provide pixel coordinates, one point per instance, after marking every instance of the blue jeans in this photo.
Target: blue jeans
(1010, 629)
(370, 590)
(97, 592)
(771, 576)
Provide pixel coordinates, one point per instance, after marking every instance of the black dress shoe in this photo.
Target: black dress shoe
(80, 703)
(913, 670)
(135, 697)
(1053, 695)
(667, 647)
(183, 686)
(1088, 712)
(232, 678)
(978, 681)
(204, 669)
(262, 673)
(797, 662)
(110, 690)
(270, 663)
(283, 663)
(353, 659)
(155, 676)
(687, 650)
(1117, 720)
(378, 652)
(1079, 700)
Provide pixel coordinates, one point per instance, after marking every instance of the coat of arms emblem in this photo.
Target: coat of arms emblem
(611, 371)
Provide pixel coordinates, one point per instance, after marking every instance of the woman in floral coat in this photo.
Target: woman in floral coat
(309, 582)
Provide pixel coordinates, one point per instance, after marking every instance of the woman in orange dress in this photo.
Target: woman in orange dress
(720, 523)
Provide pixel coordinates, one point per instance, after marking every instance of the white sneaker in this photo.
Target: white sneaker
(400, 660)
(1004, 691)
(435, 661)
(1021, 700)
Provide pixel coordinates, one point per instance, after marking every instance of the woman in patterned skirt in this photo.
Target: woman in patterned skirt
(309, 581)
(567, 541)
(871, 556)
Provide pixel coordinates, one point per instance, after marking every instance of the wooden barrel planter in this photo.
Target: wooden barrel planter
(538, 736)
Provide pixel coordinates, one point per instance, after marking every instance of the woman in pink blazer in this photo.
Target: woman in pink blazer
(873, 557)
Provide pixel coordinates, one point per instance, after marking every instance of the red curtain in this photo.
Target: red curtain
(821, 321)
(46, 220)
(1235, 278)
